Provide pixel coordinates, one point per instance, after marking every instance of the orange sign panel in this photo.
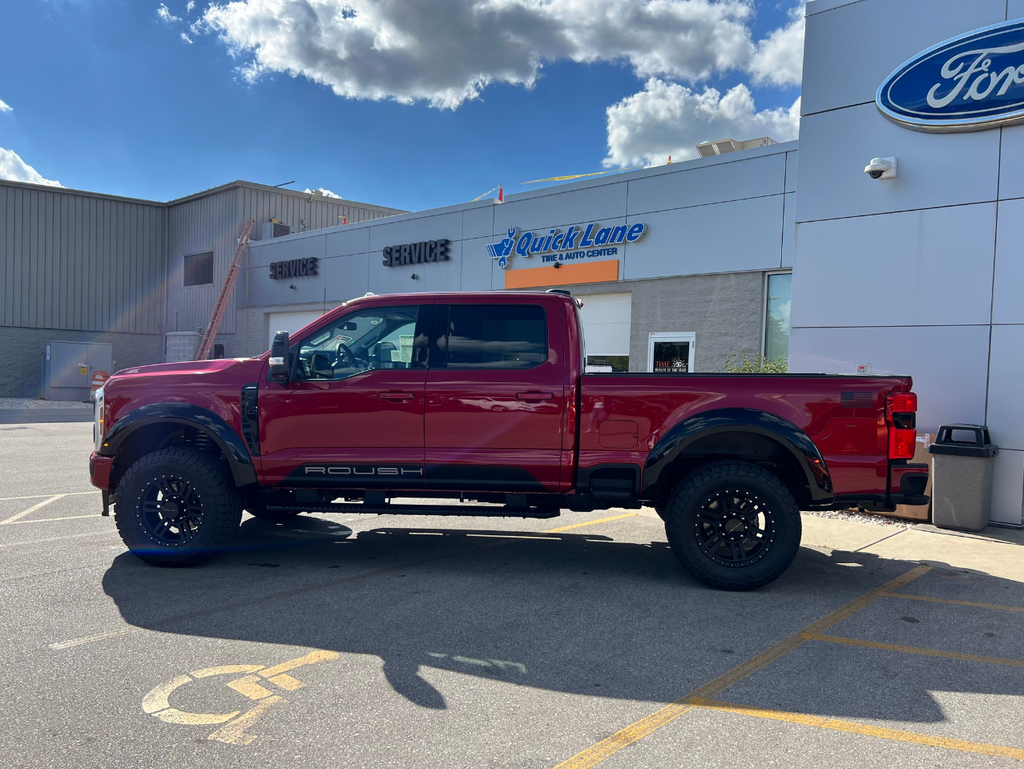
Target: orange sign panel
(564, 274)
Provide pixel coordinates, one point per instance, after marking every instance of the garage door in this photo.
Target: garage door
(288, 321)
(606, 323)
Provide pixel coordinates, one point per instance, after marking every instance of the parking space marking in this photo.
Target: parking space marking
(608, 747)
(32, 509)
(62, 518)
(915, 650)
(39, 496)
(55, 539)
(852, 727)
(590, 523)
(976, 605)
(157, 702)
(98, 637)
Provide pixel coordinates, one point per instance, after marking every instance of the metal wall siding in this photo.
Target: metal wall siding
(71, 261)
(207, 224)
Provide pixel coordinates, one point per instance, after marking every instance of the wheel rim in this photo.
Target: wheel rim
(735, 528)
(170, 510)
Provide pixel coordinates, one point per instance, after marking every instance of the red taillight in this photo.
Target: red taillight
(902, 443)
(900, 403)
(901, 416)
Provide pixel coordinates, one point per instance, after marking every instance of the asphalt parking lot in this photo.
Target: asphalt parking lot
(399, 641)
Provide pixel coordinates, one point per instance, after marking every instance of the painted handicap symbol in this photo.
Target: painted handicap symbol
(157, 702)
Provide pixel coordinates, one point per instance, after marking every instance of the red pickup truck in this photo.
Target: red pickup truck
(483, 397)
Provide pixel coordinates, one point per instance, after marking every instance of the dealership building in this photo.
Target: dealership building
(784, 250)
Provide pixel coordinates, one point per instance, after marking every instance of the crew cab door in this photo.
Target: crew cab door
(495, 396)
(352, 414)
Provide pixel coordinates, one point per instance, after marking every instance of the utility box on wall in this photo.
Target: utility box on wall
(68, 369)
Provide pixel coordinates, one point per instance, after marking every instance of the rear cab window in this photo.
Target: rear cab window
(490, 336)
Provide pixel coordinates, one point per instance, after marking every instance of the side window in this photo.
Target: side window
(496, 336)
(366, 340)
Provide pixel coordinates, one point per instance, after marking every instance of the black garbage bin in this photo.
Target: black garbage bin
(962, 477)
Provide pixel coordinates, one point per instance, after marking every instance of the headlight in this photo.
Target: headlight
(97, 426)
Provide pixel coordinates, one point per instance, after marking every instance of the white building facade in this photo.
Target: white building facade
(922, 273)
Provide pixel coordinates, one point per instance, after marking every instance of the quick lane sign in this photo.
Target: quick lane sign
(575, 243)
(967, 83)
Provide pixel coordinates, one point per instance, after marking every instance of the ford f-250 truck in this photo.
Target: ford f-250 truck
(484, 397)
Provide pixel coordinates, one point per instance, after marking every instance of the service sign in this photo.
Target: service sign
(554, 245)
(968, 83)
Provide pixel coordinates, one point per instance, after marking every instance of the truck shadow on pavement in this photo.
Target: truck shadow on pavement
(579, 613)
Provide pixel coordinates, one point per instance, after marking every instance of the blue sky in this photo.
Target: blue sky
(106, 95)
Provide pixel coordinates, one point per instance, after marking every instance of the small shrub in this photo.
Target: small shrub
(757, 365)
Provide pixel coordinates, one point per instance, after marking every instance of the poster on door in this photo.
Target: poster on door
(671, 357)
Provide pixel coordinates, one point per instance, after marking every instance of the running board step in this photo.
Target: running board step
(387, 509)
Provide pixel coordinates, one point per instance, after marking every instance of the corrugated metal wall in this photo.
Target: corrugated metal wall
(214, 222)
(300, 213)
(73, 261)
(210, 223)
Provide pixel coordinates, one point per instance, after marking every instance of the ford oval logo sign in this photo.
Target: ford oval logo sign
(968, 83)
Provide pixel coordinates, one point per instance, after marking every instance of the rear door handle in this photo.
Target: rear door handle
(395, 395)
(534, 396)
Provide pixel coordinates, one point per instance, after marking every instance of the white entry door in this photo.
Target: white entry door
(671, 352)
(289, 321)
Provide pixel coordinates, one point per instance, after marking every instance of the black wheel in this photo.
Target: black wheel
(257, 509)
(733, 525)
(176, 507)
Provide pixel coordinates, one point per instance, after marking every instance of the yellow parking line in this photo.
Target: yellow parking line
(1000, 607)
(598, 752)
(870, 731)
(915, 650)
(590, 523)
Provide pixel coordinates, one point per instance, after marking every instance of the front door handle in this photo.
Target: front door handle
(534, 396)
(396, 395)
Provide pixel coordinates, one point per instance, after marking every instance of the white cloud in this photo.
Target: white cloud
(325, 192)
(186, 38)
(669, 119)
(448, 51)
(190, 6)
(165, 15)
(14, 168)
(779, 58)
(5, 107)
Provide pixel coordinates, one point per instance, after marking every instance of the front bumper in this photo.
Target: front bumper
(99, 470)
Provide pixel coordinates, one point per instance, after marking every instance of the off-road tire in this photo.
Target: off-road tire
(213, 496)
(259, 510)
(704, 505)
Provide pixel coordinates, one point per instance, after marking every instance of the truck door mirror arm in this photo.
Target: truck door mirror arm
(279, 358)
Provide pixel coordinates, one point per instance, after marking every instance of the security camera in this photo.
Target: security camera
(881, 168)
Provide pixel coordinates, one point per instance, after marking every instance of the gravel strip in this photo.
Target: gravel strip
(858, 517)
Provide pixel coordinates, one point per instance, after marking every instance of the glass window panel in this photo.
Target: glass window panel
(367, 340)
(671, 357)
(496, 336)
(780, 294)
(199, 269)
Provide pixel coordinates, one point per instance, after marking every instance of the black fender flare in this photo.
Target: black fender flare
(679, 437)
(229, 442)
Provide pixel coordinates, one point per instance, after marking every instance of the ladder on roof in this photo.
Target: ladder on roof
(206, 346)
